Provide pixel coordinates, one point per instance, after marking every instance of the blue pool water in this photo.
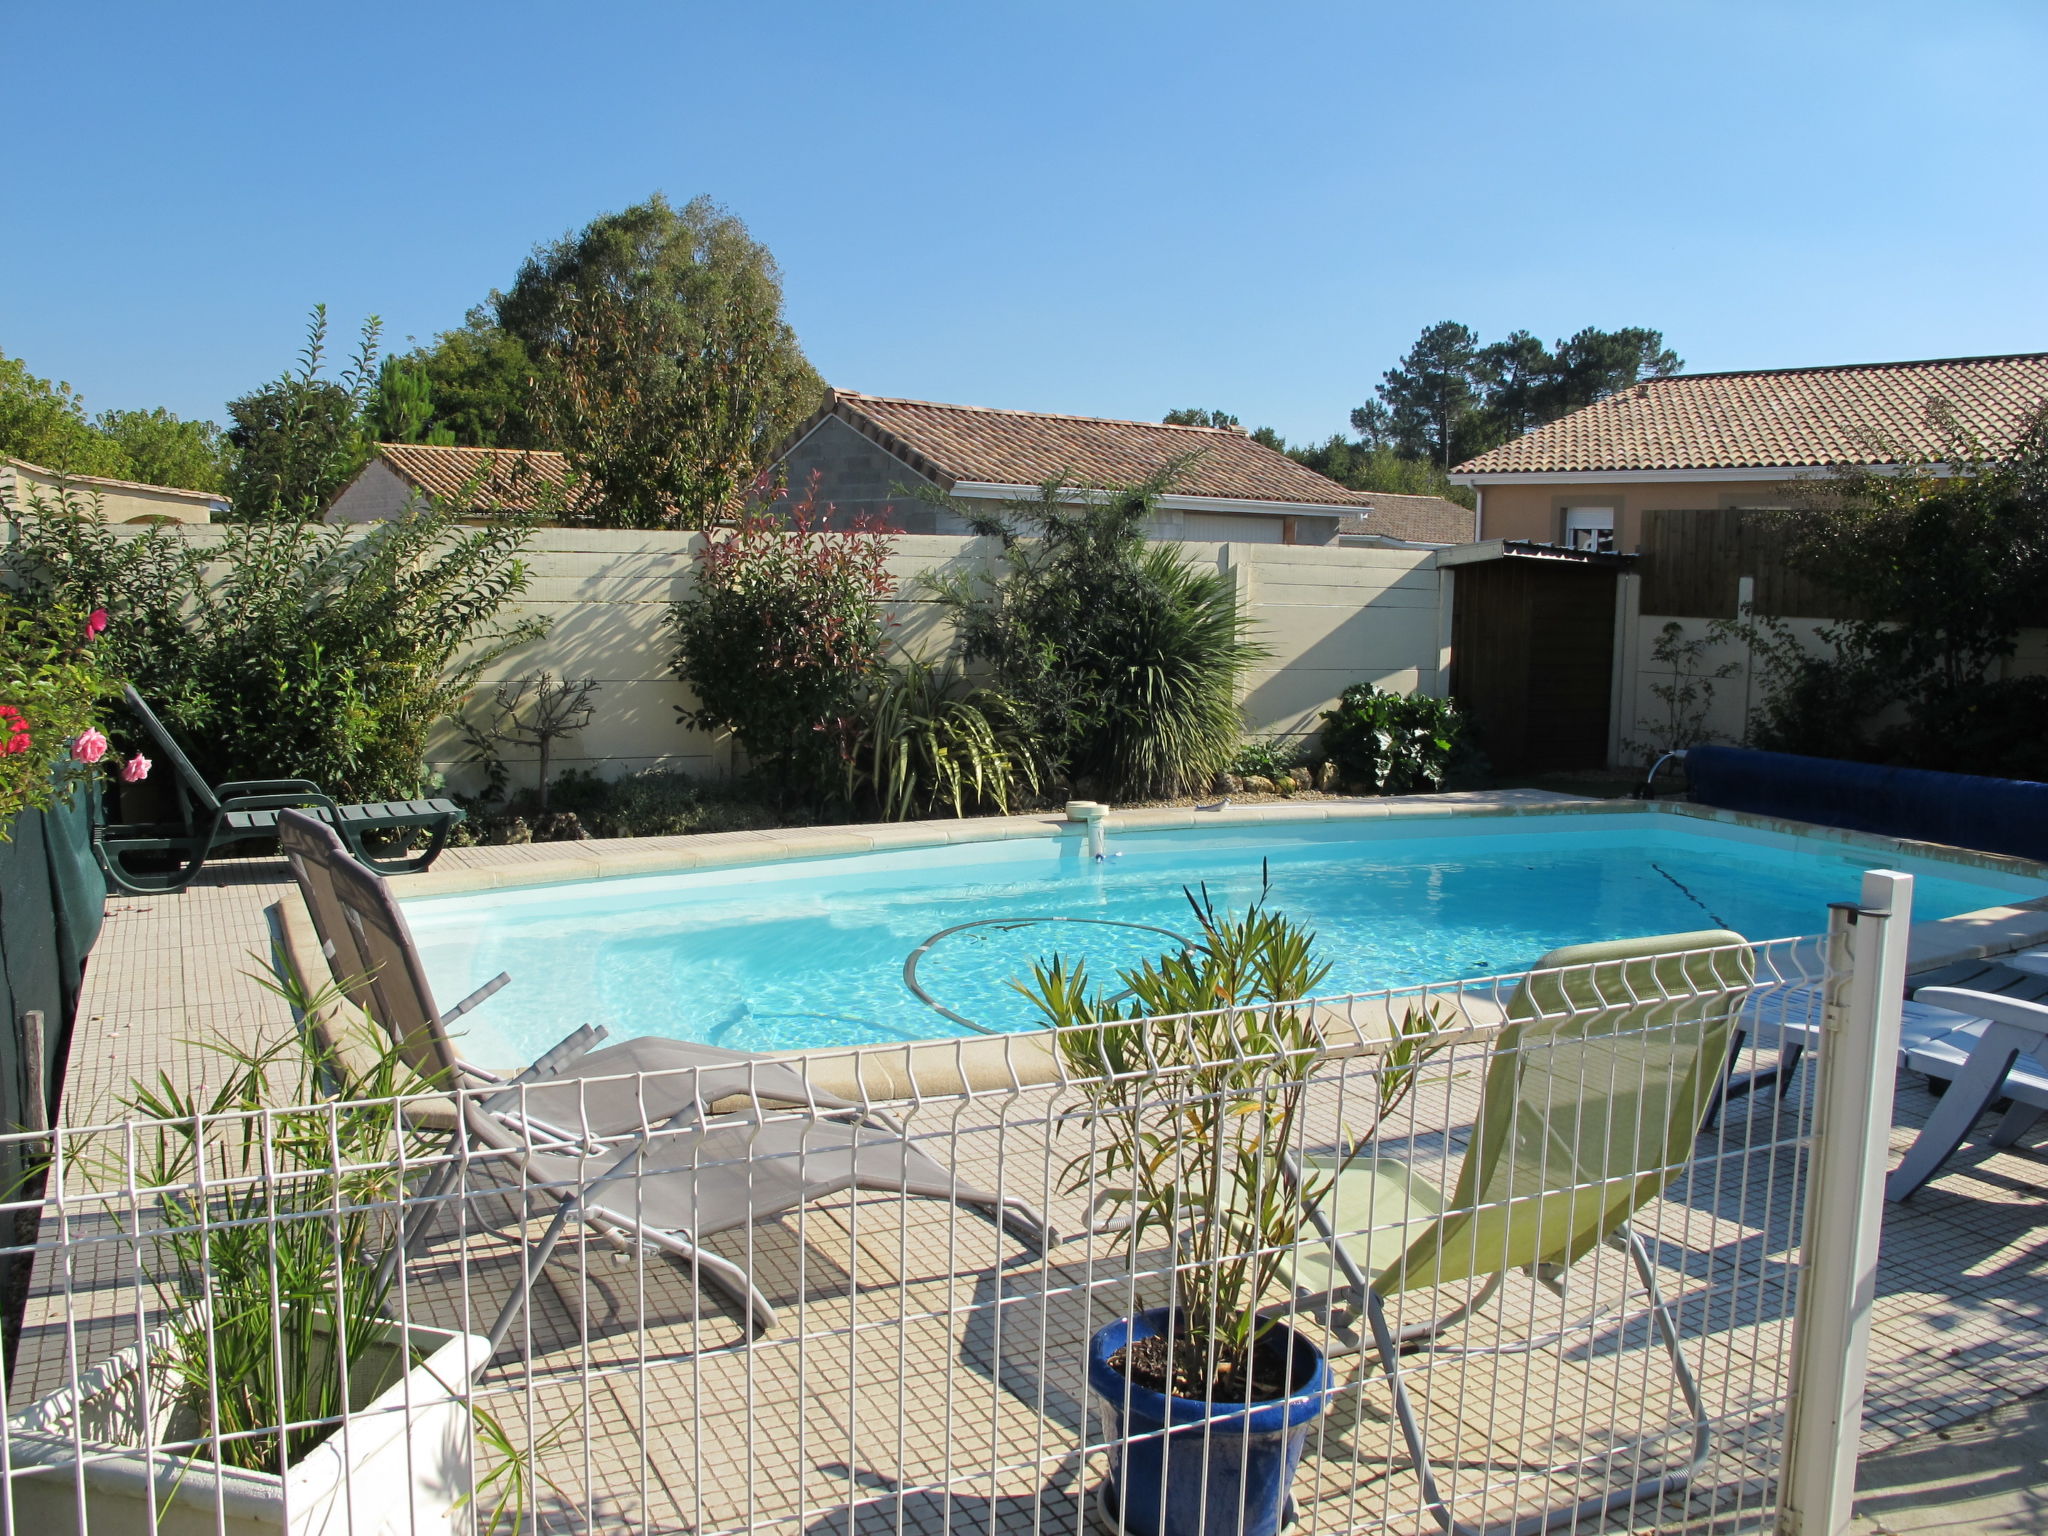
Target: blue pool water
(812, 952)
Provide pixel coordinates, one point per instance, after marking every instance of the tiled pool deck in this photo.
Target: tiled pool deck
(1962, 1323)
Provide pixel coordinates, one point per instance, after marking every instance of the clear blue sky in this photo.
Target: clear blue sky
(1103, 207)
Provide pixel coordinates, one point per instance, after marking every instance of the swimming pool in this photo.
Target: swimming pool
(813, 953)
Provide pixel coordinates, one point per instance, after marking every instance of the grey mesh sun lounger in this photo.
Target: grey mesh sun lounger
(211, 817)
(628, 1139)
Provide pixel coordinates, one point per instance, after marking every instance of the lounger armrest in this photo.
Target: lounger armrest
(270, 787)
(487, 990)
(1987, 1005)
(578, 1042)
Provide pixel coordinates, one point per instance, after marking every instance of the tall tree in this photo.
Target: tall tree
(1450, 397)
(300, 437)
(402, 405)
(1195, 416)
(666, 372)
(1431, 392)
(45, 423)
(162, 449)
(482, 384)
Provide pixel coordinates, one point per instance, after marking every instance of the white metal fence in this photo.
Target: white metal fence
(1505, 1215)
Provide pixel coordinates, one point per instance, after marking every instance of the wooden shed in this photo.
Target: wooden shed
(1532, 651)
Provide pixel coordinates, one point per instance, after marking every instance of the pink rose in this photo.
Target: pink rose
(136, 769)
(96, 623)
(90, 746)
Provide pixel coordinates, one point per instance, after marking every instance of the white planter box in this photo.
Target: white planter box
(399, 1466)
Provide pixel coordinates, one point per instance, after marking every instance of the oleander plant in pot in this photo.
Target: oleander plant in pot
(1193, 1080)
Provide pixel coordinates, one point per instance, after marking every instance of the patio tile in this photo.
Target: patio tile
(927, 1372)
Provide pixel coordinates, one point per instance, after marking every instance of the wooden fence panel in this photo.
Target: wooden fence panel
(1693, 562)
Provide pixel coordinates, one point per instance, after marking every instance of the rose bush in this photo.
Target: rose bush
(53, 680)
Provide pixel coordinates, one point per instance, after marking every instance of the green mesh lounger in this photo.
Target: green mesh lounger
(211, 817)
(1594, 1092)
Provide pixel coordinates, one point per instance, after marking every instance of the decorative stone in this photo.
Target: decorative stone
(1229, 784)
(1326, 776)
(1257, 784)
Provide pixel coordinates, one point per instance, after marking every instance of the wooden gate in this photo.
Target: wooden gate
(1532, 653)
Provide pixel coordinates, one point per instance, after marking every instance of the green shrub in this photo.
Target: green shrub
(291, 649)
(1124, 658)
(1268, 757)
(780, 632)
(1996, 727)
(652, 803)
(1390, 745)
(930, 743)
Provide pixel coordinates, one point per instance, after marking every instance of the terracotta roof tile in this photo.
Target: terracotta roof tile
(1417, 519)
(507, 479)
(1867, 413)
(952, 443)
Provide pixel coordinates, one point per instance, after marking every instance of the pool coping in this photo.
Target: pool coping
(948, 1066)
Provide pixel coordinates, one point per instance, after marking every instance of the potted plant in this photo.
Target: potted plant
(1193, 1081)
(277, 1395)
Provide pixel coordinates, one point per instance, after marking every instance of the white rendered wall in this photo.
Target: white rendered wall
(1331, 617)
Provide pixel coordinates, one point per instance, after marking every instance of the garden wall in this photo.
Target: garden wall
(1640, 718)
(1331, 617)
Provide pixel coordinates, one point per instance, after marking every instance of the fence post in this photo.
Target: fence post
(1864, 986)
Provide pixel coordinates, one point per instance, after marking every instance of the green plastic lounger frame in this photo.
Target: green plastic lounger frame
(1594, 1092)
(211, 817)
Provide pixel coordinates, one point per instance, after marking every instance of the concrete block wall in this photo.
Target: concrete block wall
(1640, 717)
(1331, 617)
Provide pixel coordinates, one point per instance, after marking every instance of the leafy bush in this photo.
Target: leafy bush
(1998, 727)
(929, 743)
(652, 803)
(783, 628)
(290, 649)
(1819, 700)
(1268, 757)
(1123, 657)
(1687, 694)
(53, 679)
(1947, 561)
(1390, 745)
(299, 438)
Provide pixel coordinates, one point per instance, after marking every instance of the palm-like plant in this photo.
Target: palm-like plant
(1125, 656)
(930, 742)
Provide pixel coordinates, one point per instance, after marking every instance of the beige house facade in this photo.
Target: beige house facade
(120, 501)
(1699, 442)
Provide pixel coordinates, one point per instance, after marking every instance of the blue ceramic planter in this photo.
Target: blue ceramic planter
(1183, 1467)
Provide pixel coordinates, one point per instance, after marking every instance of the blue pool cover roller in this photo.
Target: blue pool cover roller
(1959, 809)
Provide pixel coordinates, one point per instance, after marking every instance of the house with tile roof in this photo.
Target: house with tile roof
(871, 453)
(119, 501)
(1392, 519)
(493, 479)
(1711, 441)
